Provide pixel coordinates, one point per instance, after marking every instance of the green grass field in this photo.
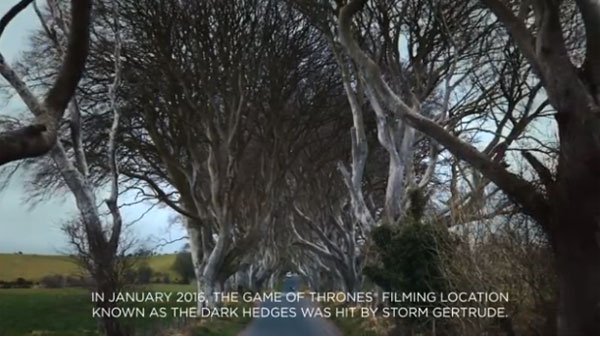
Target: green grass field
(34, 267)
(45, 311)
(65, 311)
(68, 311)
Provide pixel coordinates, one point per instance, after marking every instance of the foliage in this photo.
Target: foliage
(511, 257)
(53, 281)
(183, 266)
(409, 258)
(144, 273)
(18, 283)
(61, 281)
(409, 253)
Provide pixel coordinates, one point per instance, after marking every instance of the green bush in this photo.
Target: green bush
(184, 267)
(408, 256)
(144, 274)
(53, 281)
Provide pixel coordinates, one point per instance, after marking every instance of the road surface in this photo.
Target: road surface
(290, 326)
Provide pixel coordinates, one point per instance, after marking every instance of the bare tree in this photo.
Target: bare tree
(126, 259)
(216, 139)
(39, 137)
(323, 224)
(565, 206)
(101, 244)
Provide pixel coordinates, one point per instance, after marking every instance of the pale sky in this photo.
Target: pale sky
(37, 230)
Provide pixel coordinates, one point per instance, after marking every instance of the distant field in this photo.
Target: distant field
(34, 267)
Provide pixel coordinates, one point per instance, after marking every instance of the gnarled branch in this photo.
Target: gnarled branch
(22, 144)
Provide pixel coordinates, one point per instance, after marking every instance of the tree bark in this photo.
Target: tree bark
(197, 251)
(213, 263)
(39, 138)
(575, 231)
(107, 285)
(578, 268)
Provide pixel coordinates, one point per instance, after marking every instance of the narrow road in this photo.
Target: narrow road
(291, 326)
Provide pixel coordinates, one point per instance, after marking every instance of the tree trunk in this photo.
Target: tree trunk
(271, 285)
(313, 282)
(578, 268)
(195, 235)
(213, 264)
(195, 240)
(576, 241)
(109, 325)
(575, 228)
(207, 286)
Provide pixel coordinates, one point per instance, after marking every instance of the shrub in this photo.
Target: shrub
(130, 276)
(23, 283)
(144, 274)
(78, 281)
(408, 257)
(183, 266)
(18, 283)
(53, 281)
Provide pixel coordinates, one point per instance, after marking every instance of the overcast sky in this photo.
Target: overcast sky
(37, 230)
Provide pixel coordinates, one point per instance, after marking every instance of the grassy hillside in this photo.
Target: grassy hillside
(163, 263)
(34, 267)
